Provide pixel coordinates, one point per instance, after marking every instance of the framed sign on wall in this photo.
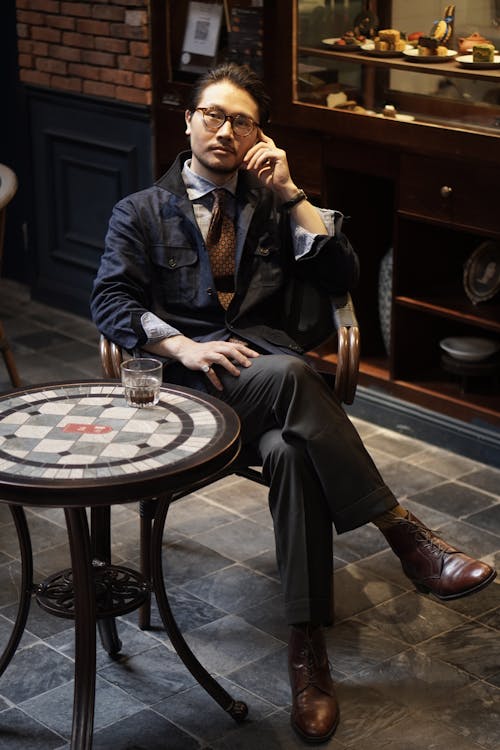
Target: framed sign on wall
(201, 36)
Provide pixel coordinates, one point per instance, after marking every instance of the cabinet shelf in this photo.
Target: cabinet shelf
(427, 93)
(440, 389)
(448, 305)
(448, 68)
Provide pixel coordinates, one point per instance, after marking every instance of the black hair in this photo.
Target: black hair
(241, 76)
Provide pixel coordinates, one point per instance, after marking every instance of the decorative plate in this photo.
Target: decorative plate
(334, 44)
(482, 272)
(469, 348)
(369, 49)
(413, 54)
(467, 61)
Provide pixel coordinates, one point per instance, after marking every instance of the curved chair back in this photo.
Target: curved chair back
(8, 189)
(345, 360)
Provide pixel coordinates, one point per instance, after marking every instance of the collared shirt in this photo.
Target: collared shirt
(200, 193)
(199, 190)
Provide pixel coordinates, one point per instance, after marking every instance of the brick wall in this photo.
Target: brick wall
(99, 48)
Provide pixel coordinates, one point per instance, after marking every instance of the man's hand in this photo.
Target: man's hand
(270, 165)
(197, 355)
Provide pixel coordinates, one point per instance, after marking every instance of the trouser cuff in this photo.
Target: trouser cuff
(365, 510)
(316, 611)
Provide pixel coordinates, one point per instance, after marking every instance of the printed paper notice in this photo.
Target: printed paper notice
(202, 29)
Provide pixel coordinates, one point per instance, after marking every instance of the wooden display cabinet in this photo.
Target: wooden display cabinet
(424, 184)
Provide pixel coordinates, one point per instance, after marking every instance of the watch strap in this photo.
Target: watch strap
(301, 196)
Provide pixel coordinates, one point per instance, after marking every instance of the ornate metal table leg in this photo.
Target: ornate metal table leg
(147, 512)
(85, 627)
(26, 585)
(100, 536)
(238, 710)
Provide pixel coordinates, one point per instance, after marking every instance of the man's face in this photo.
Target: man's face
(216, 155)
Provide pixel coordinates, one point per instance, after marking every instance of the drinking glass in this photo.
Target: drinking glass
(141, 379)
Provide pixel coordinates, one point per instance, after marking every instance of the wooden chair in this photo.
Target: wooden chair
(8, 189)
(338, 356)
(340, 362)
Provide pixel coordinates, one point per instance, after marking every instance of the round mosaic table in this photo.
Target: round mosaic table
(78, 445)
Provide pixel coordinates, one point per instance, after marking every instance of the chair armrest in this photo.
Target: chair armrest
(343, 311)
(111, 358)
(348, 348)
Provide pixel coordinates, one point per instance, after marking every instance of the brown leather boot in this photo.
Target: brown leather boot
(432, 564)
(315, 712)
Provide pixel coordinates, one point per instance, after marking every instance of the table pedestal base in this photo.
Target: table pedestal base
(94, 592)
(118, 591)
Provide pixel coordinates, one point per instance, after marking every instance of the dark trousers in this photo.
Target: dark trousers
(317, 469)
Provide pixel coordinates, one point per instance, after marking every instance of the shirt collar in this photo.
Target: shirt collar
(198, 186)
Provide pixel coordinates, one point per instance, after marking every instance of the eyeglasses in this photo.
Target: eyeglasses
(215, 119)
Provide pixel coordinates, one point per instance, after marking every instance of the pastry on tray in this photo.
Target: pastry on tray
(389, 40)
(429, 46)
(483, 53)
(351, 40)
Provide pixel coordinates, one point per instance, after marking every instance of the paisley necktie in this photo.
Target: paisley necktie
(220, 243)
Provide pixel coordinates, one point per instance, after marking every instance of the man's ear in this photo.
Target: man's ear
(187, 118)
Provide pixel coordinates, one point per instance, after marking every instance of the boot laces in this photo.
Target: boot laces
(427, 539)
(312, 663)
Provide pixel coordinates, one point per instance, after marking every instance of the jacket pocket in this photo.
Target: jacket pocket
(175, 272)
(267, 268)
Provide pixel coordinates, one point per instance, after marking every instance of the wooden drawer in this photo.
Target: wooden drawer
(450, 191)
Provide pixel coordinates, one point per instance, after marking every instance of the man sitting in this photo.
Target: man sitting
(196, 271)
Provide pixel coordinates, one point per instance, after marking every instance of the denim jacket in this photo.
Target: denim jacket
(155, 261)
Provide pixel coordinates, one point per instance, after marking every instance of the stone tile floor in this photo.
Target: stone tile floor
(411, 673)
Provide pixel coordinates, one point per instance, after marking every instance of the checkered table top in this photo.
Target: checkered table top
(85, 431)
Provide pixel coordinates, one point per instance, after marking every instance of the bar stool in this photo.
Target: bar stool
(8, 189)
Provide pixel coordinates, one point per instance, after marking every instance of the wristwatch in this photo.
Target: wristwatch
(301, 196)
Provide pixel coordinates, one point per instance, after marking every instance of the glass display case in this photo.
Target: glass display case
(378, 59)
(407, 149)
(405, 142)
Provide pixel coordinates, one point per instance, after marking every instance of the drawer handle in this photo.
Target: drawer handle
(446, 191)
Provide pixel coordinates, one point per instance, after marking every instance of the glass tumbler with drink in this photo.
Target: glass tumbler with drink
(141, 379)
